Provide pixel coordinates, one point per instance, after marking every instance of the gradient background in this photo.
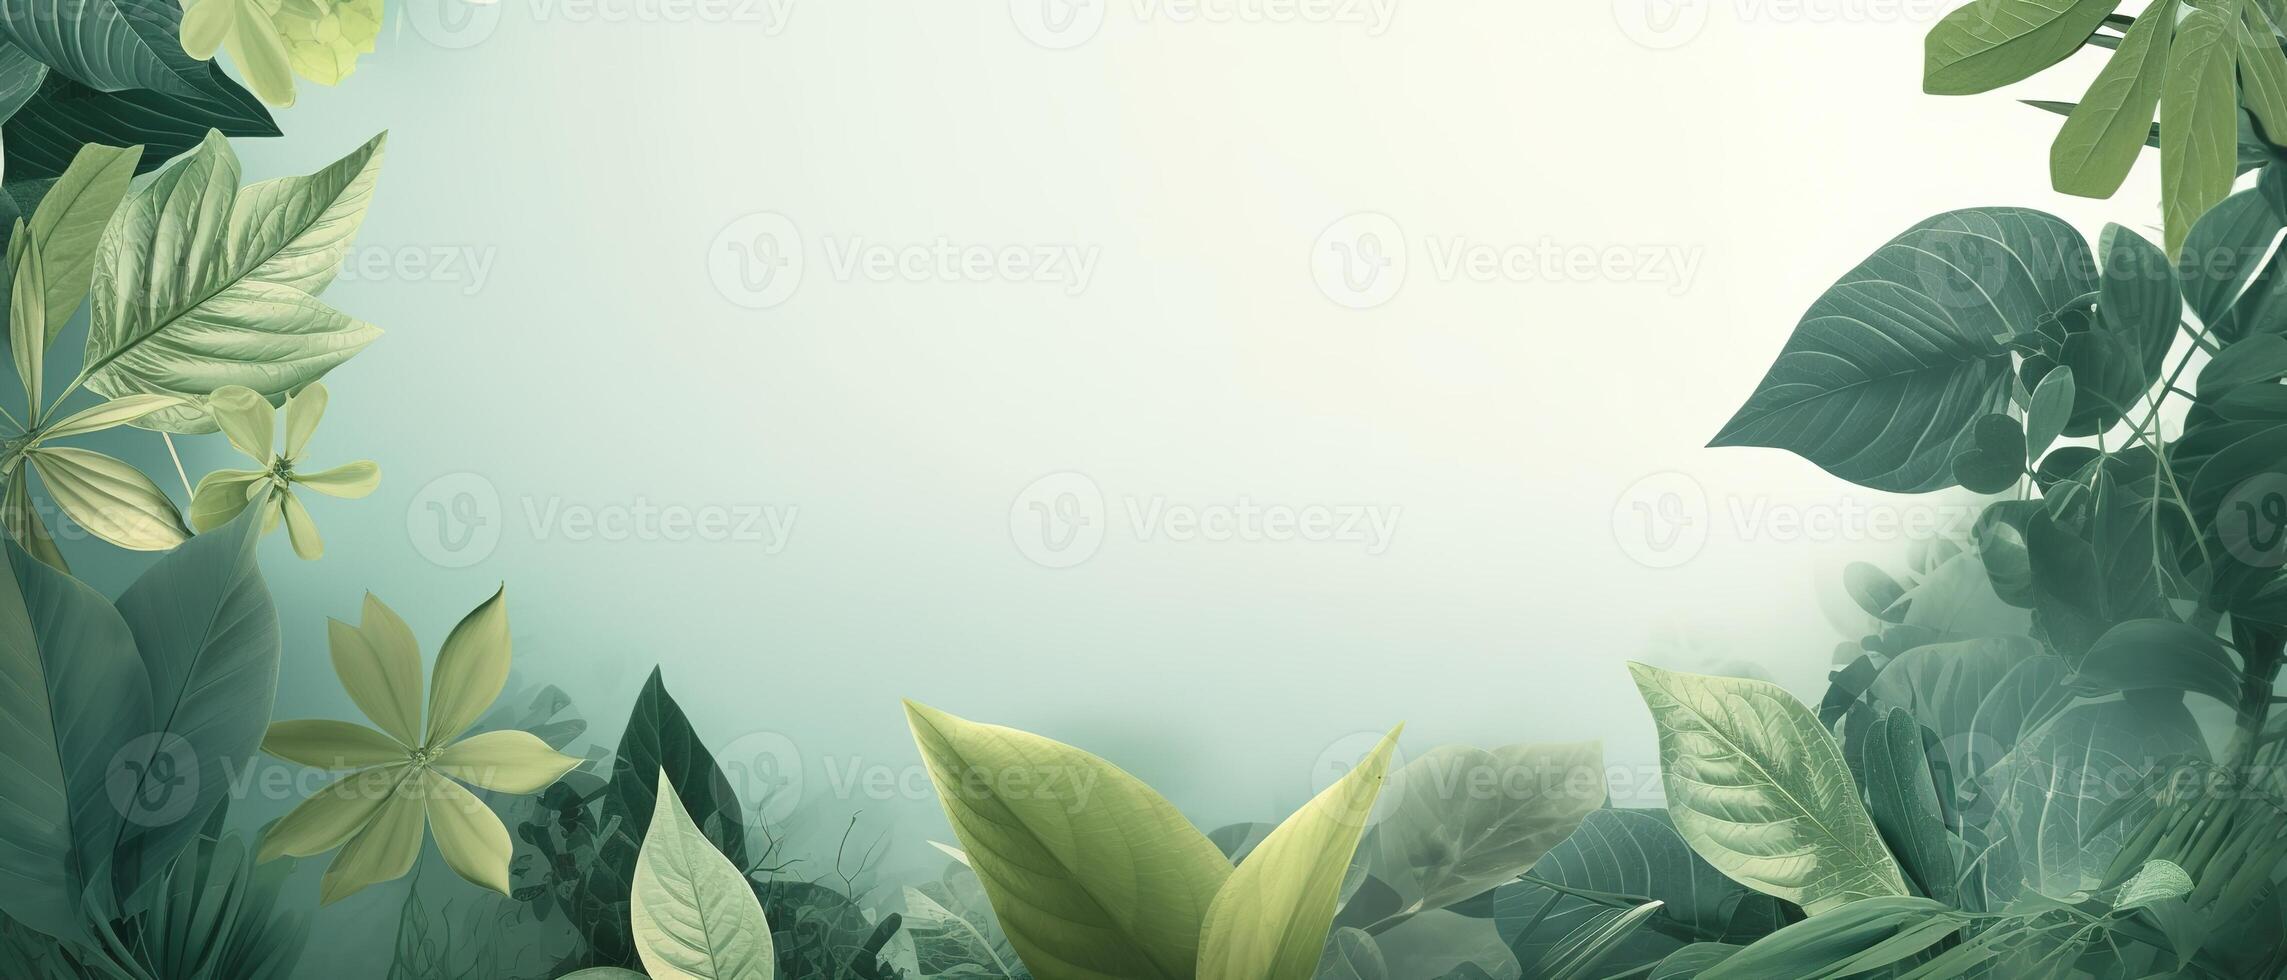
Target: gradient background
(595, 164)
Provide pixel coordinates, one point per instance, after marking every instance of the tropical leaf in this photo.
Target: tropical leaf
(45, 135)
(1991, 43)
(2199, 146)
(693, 914)
(2100, 141)
(1462, 820)
(108, 45)
(1908, 803)
(2053, 788)
(1854, 939)
(1761, 791)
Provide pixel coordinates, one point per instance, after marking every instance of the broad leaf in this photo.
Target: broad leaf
(2200, 106)
(2160, 654)
(1991, 43)
(43, 137)
(1112, 883)
(1853, 940)
(1465, 819)
(692, 911)
(2098, 144)
(1270, 919)
(1887, 370)
(70, 220)
(2054, 786)
(1904, 798)
(108, 45)
(1761, 791)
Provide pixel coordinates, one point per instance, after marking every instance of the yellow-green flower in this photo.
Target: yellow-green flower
(247, 418)
(405, 773)
(271, 41)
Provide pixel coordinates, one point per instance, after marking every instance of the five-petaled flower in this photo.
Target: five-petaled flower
(247, 418)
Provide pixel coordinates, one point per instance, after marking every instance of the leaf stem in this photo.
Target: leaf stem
(169, 437)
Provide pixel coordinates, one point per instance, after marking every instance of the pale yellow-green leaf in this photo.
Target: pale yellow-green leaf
(602, 973)
(505, 761)
(2099, 142)
(205, 24)
(117, 411)
(2199, 121)
(692, 912)
(328, 744)
(1269, 921)
(471, 669)
(222, 495)
(1462, 819)
(70, 221)
(1760, 790)
(470, 836)
(332, 814)
(1090, 872)
(1991, 43)
(28, 316)
(301, 529)
(351, 480)
(199, 286)
(324, 37)
(303, 410)
(246, 418)
(261, 56)
(112, 500)
(383, 851)
(379, 664)
(24, 524)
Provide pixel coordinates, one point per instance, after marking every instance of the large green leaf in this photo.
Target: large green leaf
(202, 285)
(1887, 370)
(1091, 873)
(1991, 43)
(1270, 919)
(1761, 791)
(42, 137)
(1903, 797)
(659, 740)
(2160, 654)
(692, 911)
(2054, 786)
(208, 635)
(2199, 112)
(1462, 819)
(1854, 940)
(2099, 142)
(70, 221)
(73, 697)
(108, 45)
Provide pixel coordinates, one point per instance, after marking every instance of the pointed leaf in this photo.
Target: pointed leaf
(694, 915)
(112, 500)
(471, 669)
(2099, 142)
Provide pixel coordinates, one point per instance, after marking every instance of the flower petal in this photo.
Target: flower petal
(221, 496)
(262, 62)
(384, 850)
(506, 761)
(469, 835)
(303, 410)
(331, 815)
(351, 480)
(205, 24)
(301, 529)
(275, 508)
(246, 418)
(471, 669)
(330, 744)
(380, 666)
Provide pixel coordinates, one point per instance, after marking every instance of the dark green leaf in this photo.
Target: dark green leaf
(1903, 796)
(1995, 457)
(42, 137)
(2160, 654)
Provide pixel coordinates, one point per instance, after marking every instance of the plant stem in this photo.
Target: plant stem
(178, 458)
(2261, 651)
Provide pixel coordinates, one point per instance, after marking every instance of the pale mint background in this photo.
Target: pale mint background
(596, 363)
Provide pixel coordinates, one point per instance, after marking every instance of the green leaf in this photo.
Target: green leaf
(2259, 359)
(208, 634)
(2160, 654)
(2051, 406)
(2098, 144)
(1888, 369)
(44, 136)
(658, 739)
(1873, 590)
(1902, 796)
(2052, 789)
(1351, 954)
(471, 669)
(1692, 960)
(951, 925)
(1995, 459)
(200, 285)
(2262, 68)
(78, 696)
(603, 973)
(2157, 881)
(2200, 107)
(2224, 250)
(1462, 820)
(1110, 881)
(112, 500)
(108, 45)
(27, 317)
(1269, 921)
(20, 77)
(1588, 947)
(1761, 791)
(70, 221)
(1991, 43)
(1852, 940)
(24, 524)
